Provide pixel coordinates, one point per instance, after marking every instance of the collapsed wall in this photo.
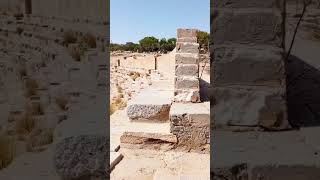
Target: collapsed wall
(248, 64)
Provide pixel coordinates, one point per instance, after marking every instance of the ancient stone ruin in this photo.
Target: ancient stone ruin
(187, 87)
(248, 65)
(53, 78)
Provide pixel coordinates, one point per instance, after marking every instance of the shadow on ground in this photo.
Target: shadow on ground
(303, 93)
(204, 90)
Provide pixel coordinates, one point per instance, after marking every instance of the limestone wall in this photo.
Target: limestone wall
(79, 9)
(248, 64)
(14, 6)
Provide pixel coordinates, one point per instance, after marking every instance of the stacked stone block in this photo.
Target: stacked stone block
(248, 64)
(187, 69)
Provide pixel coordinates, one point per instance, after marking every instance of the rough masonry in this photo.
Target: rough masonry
(187, 86)
(248, 64)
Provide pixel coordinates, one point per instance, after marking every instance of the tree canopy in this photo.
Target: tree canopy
(147, 44)
(152, 44)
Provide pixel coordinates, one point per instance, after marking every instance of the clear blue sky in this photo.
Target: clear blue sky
(131, 20)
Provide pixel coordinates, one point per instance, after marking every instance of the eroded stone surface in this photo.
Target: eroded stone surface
(82, 157)
(191, 124)
(250, 107)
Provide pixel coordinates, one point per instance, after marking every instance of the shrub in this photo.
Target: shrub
(76, 53)
(89, 40)
(69, 37)
(134, 75)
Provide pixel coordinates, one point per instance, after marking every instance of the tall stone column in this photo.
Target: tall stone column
(187, 84)
(248, 64)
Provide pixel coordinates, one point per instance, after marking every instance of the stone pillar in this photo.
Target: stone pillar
(248, 64)
(187, 71)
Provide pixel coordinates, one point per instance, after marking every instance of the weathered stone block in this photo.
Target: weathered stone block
(191, 124)
(159, 112)
(185, 82)
(248, 66)
(186, 47)
(253, 27)
(248, 106)
(187, 33)
(74, 157)
(187, 58)
(248, 4)
(187, 95)
(187, 70)
(187, 39)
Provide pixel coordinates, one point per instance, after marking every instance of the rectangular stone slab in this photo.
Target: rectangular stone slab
(187, 47)
(186, 58)
(248, 4)
(248, 27)
(187, 70)
(187, 33)
(187, 39)
(250, 106)
(190, 122)
(186, 82)
(150, 104)
(237, 65)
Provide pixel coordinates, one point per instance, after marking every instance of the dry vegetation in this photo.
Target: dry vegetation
(82, 43)
(62, 102)
(31, 87)
(7, 150)
(26, 124)
(118, 102)
(69, 37)
(134, 75)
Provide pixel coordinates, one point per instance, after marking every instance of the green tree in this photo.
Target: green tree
(130, 46)
(203, 40)
(171, 44)
(149, 44)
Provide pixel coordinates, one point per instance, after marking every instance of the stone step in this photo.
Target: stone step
(148, 135)
(190, 122)
(268, 155)
(150, 105)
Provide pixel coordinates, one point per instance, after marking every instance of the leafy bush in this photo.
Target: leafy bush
(149, 44)
(203, 40)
